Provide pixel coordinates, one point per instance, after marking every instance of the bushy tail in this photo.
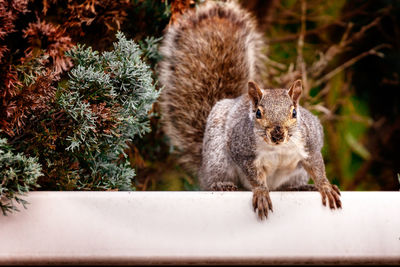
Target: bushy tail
(209, 54)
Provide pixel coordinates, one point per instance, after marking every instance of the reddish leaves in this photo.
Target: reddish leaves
(53, 40)
(178, 7)
(110, 13)
(27, 83)
(18, 101)
(9, 11)
(105, 117)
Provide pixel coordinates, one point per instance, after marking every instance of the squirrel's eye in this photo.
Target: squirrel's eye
(294, 114)
(258, 114)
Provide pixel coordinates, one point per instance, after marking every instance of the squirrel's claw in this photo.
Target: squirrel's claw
(262, 202)
(336, 189)
(332, 193)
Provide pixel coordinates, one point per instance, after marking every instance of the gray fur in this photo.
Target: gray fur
(234, 148)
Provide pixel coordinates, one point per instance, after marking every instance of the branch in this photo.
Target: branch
(292, 37)
(360, 34)
(301, 65)
(342, 21)
(350, 62)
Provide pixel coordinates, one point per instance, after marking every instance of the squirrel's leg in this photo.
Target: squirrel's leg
(258, 179)
(216, 174)
(261, 199)
(315, 167)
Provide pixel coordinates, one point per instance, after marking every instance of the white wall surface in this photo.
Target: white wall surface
(200, 227)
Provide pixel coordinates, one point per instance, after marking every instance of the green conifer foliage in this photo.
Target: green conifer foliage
(18, 175)
(108, 97)
(79, 141)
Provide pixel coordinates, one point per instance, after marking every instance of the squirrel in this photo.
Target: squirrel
(229, 131)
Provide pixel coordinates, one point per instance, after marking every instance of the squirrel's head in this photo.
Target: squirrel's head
(275, 111)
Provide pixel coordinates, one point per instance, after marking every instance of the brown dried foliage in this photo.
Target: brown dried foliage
(50, 38)
(19, 100)
(110, 13)
(9, 11)
(27, 82)
(7, 105)
(178, 7)
(105, 117)
(91, 19)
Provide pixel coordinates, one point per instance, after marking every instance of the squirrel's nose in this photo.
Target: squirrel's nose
(277, 134)
(277, 130)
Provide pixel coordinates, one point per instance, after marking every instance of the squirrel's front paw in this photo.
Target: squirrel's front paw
(261, 202)
(332, 193)
(223, 186)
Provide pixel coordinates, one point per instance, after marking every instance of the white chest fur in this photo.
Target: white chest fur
(278, 162)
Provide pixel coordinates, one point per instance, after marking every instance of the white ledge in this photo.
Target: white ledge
(200, 228)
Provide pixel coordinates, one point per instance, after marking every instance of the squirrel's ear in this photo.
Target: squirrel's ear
(255, 93)
(295, 91)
